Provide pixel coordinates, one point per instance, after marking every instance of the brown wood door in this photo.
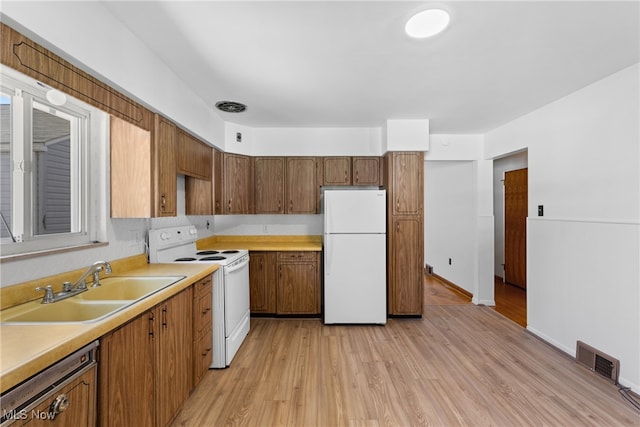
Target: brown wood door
(302, 186)
(337, 170)
(237, 184)
(262, 282)
(165, 168)
(515, 227)
(298, 288)
(405, 272)
(269, 185)
(174, 339)
(366, 170)
(407, 172)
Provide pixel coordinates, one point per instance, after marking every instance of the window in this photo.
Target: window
(44, 159)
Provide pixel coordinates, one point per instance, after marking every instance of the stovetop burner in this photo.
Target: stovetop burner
(185, 259)
(207, 253)
(230, 251)
(213, 258)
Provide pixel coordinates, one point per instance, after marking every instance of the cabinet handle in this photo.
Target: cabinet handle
(261, 264)
(151, 319)
(346, 175)
(357, 177)
(206, 351)
(398, 204)
(206, 310)
(229, 206)
(164, 317)
(59, 405)
(163, 198)
(397, 226)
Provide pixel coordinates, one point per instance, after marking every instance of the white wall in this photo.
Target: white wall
(500, 166)
(450, 220)
(583, 256)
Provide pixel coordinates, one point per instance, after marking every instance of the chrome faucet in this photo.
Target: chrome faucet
(94, 269)
(70, 289)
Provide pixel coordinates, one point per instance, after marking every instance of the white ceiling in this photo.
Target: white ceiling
(349, 64)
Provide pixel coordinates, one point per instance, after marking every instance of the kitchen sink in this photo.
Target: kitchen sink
(130, 288)
(92, 305)
(67, 311)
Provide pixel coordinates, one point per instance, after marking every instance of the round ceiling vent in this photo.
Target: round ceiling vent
(230, 106)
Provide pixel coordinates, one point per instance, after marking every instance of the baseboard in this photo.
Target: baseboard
(453, 286)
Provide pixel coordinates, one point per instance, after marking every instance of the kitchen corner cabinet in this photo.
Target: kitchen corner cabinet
(405, 232)
(302, 186)
(144, 368)
(143, 169)
(81, 395)
(237, 184)
(268, 173)
(298, 283)
(193, 156)
(336, 170)
(262, 282)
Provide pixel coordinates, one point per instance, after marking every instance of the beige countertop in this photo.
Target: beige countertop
(27, 349)
(263, 243)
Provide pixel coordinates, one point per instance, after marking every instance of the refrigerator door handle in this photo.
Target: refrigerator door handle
(328, 254)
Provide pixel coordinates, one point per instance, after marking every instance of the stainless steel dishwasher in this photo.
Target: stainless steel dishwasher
(64, 392)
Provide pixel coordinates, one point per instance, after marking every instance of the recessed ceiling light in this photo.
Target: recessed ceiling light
(427, 23)
(230, 106)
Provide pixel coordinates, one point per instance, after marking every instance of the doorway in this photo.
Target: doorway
(510, 213)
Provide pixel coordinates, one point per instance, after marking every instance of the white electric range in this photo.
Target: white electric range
(230, 285)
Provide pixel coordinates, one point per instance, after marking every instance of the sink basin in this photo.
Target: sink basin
(66, 311)
(129, 288)
(92, 305)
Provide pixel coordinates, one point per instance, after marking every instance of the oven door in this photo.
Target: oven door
(236, 295)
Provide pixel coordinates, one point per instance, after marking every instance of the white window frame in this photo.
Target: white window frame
(87, 219)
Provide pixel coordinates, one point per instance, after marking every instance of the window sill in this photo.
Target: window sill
(35, 254)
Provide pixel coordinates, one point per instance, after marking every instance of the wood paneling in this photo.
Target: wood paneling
(28, 57)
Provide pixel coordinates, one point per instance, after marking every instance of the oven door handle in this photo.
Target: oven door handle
(240, 266)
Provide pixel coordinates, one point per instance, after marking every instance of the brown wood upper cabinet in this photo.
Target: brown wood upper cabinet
(302, 187)
(143, 169)
(194, 156)
(336, 170)
(406, 184)
(351, 170)
(237, 184)
(269, 179)
(367, 170)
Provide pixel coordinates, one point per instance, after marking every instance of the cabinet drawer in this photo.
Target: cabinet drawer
(202, 355)
(202, 315)
(297, 256)
(202, 286)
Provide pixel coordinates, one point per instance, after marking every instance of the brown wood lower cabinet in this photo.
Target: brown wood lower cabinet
(144, 368)
(405, 272)
(285, 283)
(202, 328)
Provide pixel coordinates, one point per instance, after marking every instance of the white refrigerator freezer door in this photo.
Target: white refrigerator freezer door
(355, 289)
(354, 211)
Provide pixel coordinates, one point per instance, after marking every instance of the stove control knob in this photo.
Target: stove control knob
(192, 231)
(164, 235)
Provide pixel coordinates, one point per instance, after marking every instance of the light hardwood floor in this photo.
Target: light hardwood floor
(459, 365)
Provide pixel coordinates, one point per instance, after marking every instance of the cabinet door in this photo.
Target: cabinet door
(405, 270)
(130, 170)
(174, 343)
(302, 187)
(366, 171)
(216, 182)
(298, 288)
(406, 182)
(337, 170)
(269, 185)
(126, 375)
(193, 156)
(237, 184)
(262, 282)
(165, 166)
(81, 395)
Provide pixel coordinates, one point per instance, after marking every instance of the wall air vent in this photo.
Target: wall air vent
(598, 362)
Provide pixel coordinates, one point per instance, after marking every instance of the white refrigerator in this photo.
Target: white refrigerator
(355, 256)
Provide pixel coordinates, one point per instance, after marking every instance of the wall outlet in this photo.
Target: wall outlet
(265, 229)
(449, 261)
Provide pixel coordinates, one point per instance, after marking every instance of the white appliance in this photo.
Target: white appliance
(230, 285)
(355, 255)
